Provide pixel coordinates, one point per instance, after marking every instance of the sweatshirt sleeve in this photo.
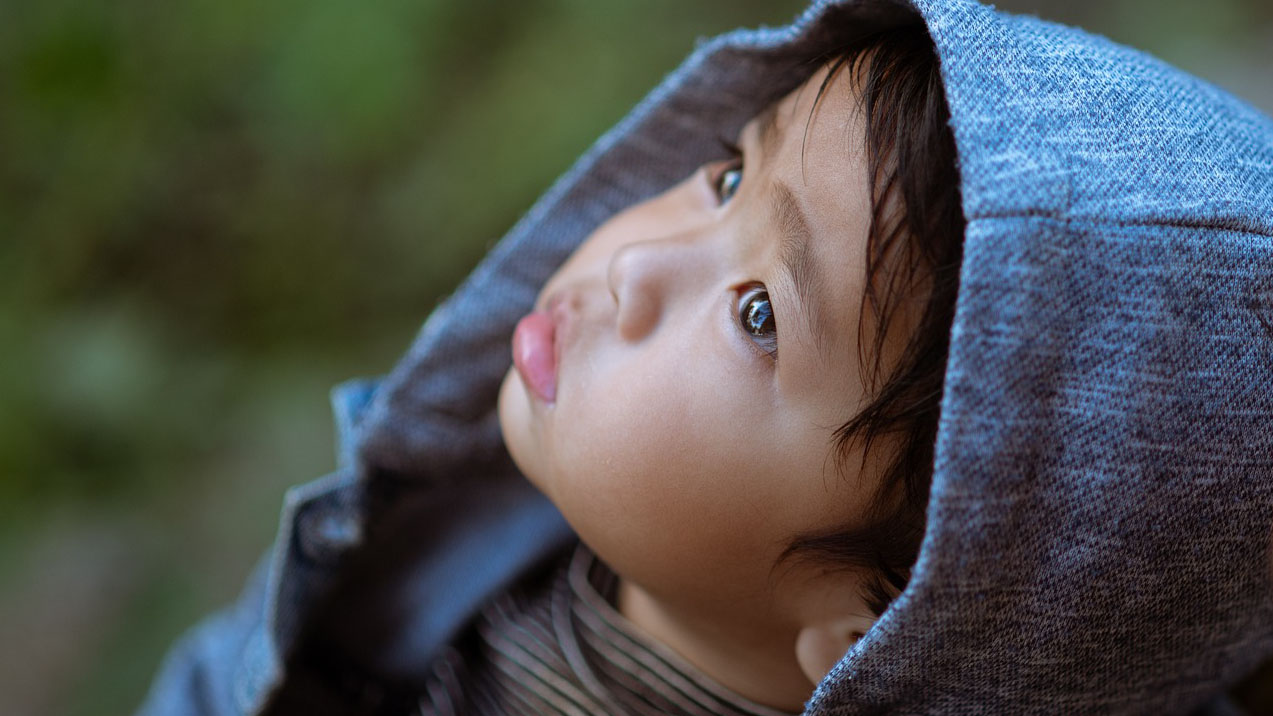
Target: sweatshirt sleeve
(205, 672)
(229, 663)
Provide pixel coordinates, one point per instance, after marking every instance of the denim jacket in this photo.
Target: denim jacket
(1098, 530)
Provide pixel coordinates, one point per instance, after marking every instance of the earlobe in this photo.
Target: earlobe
(820, 646)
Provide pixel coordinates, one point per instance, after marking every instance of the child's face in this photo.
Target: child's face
(689, 433)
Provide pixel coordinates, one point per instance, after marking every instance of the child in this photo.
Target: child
(737, 391)
(689, 375)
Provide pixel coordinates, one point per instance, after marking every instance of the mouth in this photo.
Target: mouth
(535, 354)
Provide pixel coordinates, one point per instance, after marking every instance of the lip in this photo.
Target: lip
(535, 354)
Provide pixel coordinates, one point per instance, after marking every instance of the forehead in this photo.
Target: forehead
(816, 136)
(822, 104)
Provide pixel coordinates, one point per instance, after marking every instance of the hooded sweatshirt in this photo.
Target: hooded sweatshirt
(1099, 521)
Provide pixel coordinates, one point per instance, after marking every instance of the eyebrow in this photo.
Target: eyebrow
(796, 255)
(795, 236)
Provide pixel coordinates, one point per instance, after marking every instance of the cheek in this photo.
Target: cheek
(667, 463)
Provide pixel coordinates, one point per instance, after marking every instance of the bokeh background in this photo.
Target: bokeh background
(213, 210)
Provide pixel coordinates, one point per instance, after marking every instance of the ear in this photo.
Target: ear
(820, 646)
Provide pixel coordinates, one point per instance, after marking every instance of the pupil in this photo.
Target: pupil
(760, 317)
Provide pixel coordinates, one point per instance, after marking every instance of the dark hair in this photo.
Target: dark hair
(915, 244)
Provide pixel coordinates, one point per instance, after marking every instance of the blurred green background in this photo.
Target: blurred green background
(213, 210)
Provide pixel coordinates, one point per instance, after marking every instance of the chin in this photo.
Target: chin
(515, 416)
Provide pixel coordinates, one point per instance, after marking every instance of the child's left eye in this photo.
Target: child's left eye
(756, 316)
(727, 183)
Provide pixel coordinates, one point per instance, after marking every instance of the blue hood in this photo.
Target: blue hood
(1098, 535)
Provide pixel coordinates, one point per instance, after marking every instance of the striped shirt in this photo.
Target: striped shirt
(555, 645)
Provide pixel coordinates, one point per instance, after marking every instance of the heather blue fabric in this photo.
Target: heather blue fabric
(1099, 525)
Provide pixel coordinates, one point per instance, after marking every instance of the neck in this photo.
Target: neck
(757, 664)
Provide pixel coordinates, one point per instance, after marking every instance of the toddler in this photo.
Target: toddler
(913, 358)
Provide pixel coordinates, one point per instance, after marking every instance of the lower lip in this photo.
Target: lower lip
(534, 354)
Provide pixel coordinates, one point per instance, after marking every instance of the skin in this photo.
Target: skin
(680, 450)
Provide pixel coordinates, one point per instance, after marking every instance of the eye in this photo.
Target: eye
(756, 316)
(727, 181)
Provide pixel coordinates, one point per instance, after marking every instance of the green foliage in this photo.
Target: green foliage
(188, 185)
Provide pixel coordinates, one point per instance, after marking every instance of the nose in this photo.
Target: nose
(646, 277)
